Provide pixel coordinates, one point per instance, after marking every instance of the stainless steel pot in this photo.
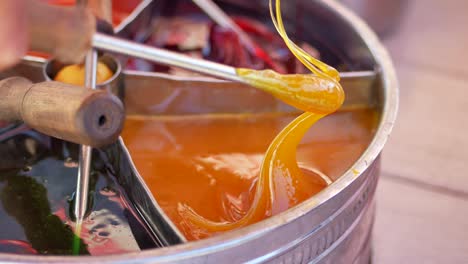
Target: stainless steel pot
(335, 225)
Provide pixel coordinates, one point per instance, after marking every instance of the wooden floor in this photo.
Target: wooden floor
(422, 199)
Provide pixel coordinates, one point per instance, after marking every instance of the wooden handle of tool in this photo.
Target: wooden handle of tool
(65, 32)
(73, 113)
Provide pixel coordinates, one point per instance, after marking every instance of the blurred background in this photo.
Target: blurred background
(422, 200)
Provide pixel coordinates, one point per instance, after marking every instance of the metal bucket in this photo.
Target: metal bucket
(335, 225)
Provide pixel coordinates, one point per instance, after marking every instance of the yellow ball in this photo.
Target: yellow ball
(75, 74)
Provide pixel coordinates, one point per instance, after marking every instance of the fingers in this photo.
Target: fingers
(102, 9)
(13, 32)
(63, 32)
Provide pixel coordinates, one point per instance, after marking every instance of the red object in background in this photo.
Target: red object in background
(122, 8)
(204, 39)
(257, 29)
(3, 124)
(38, 54)
(251, 27)
(226, 47)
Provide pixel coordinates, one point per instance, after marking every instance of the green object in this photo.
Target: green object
(25, 199)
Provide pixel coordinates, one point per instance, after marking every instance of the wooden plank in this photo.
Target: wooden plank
(422, 198)
(432, 30)
(416, 225)
(429, 141)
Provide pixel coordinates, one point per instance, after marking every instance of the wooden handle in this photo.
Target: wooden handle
(72, 113)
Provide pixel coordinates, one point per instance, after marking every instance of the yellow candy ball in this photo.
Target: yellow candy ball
(75, 74)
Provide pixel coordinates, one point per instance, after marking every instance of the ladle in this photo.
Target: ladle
(302, 93)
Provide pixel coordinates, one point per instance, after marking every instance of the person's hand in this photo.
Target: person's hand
(13, 32)
(33, 24)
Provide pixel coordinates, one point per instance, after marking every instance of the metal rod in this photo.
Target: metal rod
(170, 58)
(165, 57)
(84, 168)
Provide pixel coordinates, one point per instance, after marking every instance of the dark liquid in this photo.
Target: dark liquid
(37, 182)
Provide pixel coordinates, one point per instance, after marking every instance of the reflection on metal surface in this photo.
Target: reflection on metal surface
(118, 156)
(162, 94)
(35, 186)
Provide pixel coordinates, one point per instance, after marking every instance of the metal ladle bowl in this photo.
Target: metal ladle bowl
(114, 84)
